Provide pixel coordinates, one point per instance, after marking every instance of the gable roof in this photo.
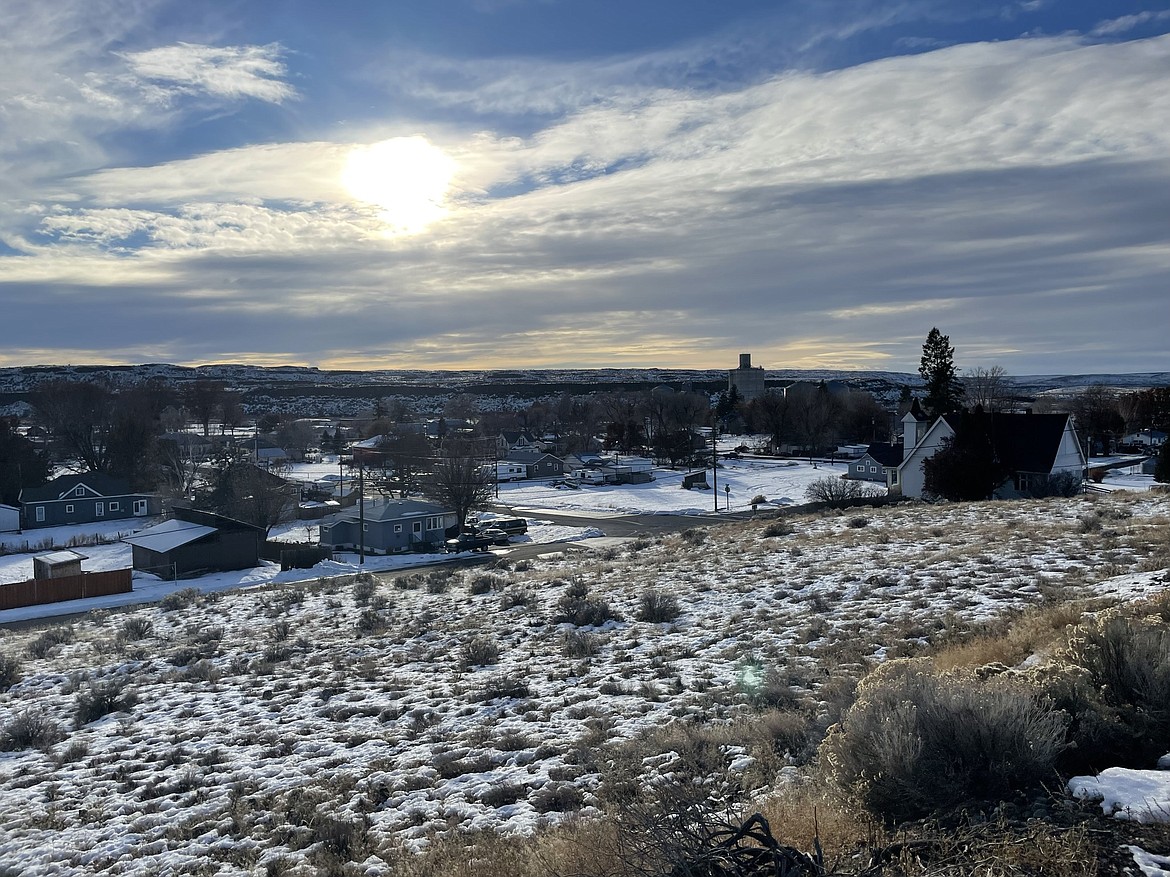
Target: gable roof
(98, 482)
(168, 535)
(885, 454)
(1022, 442)
(393, 510)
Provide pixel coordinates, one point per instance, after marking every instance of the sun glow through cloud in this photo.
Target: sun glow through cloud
(406, 177)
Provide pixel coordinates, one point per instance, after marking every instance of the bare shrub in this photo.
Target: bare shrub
(500, 796)
(835, 489)
(579, 644)
(557, 797)
(479, 651)
(483, 583)
(694, 536)
(1118, 690)
(858, 522)
(54, 636)
(364, 586)
(517, 597)
(779, 527)
(180, 599)
(102, 697)
(75, 751)
(657, 608)
(504, 686)
(371, 622)
(918, 743)
(576, 607)
(135, 628)
(10, 671)
(27, 730)
(1062, 484)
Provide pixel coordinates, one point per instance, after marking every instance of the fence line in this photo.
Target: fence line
(35, 592)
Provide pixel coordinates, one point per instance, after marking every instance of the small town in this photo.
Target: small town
(522, 438)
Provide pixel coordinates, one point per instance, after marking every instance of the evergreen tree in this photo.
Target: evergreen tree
(1162, 466)
(944, 390)
(21, 465)
(965, 467)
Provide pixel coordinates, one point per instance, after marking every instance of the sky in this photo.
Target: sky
(556, 184)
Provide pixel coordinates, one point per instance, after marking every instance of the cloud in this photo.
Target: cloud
(1005, 190)
(233, 72)
(1127, 23)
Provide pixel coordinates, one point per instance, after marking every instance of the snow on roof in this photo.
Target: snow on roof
(53, 558)
(168, 535)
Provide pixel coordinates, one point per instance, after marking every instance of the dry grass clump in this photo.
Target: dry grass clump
(1034, 631)
(657, 608)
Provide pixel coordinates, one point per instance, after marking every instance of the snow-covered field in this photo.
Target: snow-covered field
(266, 721)
(780, 482)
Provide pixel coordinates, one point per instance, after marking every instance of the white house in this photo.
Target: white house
(9, 518)
(1029, 446)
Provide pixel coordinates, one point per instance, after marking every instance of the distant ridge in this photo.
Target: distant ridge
(297, 388)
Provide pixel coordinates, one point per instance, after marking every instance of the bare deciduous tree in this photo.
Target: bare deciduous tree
(460, 480)
(988, 388)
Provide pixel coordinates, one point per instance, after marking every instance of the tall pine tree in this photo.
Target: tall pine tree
(944, 390)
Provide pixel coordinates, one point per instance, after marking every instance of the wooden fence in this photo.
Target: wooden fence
(34, 592)
(295, 555)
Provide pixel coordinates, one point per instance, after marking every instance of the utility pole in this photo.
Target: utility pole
(361, 515)
(714, 462)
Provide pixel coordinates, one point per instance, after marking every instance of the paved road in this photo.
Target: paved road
(616, 528)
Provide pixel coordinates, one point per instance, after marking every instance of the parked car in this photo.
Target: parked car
(477, 541)
(511, 526)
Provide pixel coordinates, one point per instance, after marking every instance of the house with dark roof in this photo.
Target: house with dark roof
(537, 463)
(194, 542)
(83, 499)
(1031, 447)
(875, 464)
(389, 526)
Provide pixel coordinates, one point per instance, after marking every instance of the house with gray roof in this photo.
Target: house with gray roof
(390, 526)
(875, 464)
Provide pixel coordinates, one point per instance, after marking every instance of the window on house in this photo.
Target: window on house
(397, 528)
(69, 508)
(115, 506)
(79, 491)
(365, 528)
(40, 513)
(893, 476)
(99, 509)
(416, 527)
(873, 469)
(860, 467)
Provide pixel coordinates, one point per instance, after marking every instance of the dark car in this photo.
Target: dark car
(477, 541)
(511, 526)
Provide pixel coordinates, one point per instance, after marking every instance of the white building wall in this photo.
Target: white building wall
(910, 474)
(1070, 456)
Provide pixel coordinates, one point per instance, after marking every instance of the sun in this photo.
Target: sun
(407, 177)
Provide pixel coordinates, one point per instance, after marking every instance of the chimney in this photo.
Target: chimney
(745, 360)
